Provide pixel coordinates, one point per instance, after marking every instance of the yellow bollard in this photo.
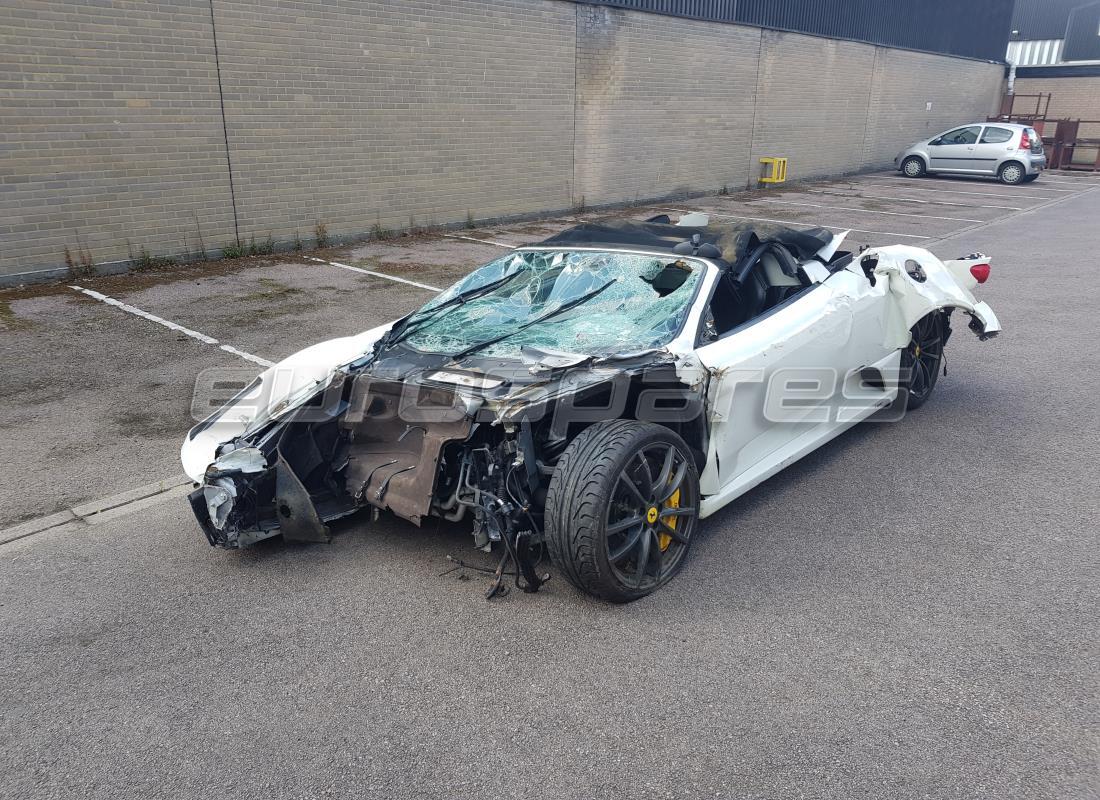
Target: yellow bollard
(778, 172)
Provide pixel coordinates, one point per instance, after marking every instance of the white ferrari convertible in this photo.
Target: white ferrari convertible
(589, 399)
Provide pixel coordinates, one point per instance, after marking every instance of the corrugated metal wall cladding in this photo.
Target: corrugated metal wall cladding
(1042, 19)
(1083, 34)
(976, 29)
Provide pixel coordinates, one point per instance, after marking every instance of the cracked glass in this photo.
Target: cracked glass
(590, 303)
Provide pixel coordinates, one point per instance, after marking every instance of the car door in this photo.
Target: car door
(872, 356)
(775, 384)
(993, 145)
(954, 151)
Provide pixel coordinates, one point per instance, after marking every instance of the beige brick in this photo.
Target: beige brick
(365, 112)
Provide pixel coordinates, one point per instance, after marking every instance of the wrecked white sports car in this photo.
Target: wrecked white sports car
(589, 398)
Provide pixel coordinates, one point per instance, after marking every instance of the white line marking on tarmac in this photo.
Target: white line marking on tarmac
(479, 241)
(375, 274)
(1030, 189)
(911, 188)
(912, 200)
(202, 337)
(1084, 182)
(804, 224)
(864, 210)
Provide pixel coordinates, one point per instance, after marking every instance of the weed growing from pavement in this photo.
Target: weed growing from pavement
(146, 260)
(320, 235)
(82, 264)
(263, 249)
(378, 232)
(233, 250)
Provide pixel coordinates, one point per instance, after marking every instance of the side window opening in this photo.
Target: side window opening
(967, 135)
(996, 135)
(768, 278)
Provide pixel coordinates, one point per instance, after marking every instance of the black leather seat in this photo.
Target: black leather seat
(736, 303)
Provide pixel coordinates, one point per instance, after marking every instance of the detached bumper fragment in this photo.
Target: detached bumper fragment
(197, 499)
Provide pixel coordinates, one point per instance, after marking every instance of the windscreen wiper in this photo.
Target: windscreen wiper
(411, 325)
(584, 298)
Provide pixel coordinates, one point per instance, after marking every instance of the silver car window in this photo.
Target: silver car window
(967, 135)
(997, 135)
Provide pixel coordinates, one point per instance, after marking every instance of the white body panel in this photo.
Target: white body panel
(281, 388)
(838, 328)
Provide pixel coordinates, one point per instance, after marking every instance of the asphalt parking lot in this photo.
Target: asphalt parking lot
(908, 612)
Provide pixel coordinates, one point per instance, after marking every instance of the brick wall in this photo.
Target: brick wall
(904, 85)
(109, 131)
(813, 95)
(360, 113)
(664, 105)
(1070, 98)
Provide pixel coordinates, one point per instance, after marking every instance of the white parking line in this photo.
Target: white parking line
(911, 188)
(202, 337)
(1029, 190)
(479, 241)
(912, 200)
(375, 274)
(1079, 182)
(802, 224)
(865, 210)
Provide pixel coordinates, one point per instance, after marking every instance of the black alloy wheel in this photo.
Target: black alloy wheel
(922, 360)
(622, 509)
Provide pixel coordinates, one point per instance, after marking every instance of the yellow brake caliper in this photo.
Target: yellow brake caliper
(664, 539)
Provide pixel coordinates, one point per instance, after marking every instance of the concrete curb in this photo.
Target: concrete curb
(103, 509)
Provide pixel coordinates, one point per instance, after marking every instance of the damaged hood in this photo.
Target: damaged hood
(279, 389)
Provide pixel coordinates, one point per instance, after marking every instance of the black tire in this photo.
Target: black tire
(600, 534)
(1012, 173)
(913, 167)
(922, 360)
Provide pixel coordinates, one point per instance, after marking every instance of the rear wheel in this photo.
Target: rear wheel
(922, 359)
(913, 167)
(622, 509)
(1012, 173)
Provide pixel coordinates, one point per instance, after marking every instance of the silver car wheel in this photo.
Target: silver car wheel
(1012, 173)
(913, 168)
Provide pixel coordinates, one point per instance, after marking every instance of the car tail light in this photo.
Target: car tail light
(1025, 144)
(980, 272)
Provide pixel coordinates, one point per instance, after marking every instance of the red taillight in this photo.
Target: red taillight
(1025, 144)
(980, 272)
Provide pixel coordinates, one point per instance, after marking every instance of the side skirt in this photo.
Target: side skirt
(783, 457)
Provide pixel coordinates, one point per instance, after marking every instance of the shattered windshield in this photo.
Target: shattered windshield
(590, 303)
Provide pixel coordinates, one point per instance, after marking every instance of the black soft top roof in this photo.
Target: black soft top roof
(732, 240)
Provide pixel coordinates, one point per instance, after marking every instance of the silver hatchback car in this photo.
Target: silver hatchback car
(1012, 153)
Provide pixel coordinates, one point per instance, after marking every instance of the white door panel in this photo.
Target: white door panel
(802, 345)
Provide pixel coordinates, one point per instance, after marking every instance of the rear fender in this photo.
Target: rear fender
(919, 284)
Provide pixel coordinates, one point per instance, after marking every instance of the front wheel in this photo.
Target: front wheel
(922, 359)
(622, 509)
(913, 167)
(1012, 173)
